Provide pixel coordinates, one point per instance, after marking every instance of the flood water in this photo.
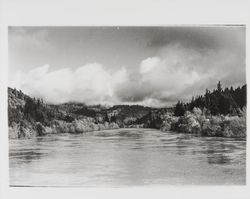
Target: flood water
(127, 157)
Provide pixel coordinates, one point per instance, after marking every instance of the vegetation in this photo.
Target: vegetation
(203, 124)
(218, 101)
(217, 113)
(221, 112)
(29, 117)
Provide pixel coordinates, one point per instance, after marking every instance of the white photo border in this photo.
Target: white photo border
(115, 13)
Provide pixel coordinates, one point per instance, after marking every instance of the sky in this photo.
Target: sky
(150, 66)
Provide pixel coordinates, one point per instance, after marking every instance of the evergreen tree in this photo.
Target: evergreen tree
(219, 101)
(219, 88)
(179, 109)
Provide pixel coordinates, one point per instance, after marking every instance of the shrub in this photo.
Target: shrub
(169, 122)
(234, 127)
(212, 127)
(198, 122)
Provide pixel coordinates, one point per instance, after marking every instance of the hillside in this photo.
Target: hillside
(31, 117)
(217, 113)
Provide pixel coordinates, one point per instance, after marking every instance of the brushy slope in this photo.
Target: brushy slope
(203, 124)
(29, 117)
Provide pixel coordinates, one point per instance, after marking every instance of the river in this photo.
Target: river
(126, 157)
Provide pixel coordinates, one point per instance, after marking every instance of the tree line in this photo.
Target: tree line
(219, 101)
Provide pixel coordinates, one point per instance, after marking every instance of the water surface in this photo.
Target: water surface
(127, 157)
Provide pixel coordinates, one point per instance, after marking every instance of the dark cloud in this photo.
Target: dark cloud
(214, 37)
(192, 59)
(134, 91)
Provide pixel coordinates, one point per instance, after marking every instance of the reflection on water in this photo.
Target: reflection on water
(126, 157)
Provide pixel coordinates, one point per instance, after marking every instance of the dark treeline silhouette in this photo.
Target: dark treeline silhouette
(219, 101)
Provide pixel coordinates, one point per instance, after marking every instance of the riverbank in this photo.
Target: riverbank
(30, 117)
(200, 123)
(195, 122)
(28, 130)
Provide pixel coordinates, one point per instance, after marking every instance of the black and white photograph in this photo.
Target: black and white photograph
(124, 99)
(127, 106)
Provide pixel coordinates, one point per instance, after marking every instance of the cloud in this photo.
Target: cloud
(148, 64)
(167, 78)
(177, 73)
(180, 72)
(90, 83)
(200, 37)
(185, 63)
(30, 38)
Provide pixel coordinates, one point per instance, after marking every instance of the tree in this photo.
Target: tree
(219, 88)
(219, 101)
(179, 109)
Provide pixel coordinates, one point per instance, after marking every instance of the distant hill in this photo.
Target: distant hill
(26, 112)
(217, 113)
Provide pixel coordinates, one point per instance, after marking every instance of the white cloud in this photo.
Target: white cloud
(91, 83)
(148, 64)
(170, 76)
(178, 72)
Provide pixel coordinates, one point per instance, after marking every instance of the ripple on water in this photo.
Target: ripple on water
(126, 157)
